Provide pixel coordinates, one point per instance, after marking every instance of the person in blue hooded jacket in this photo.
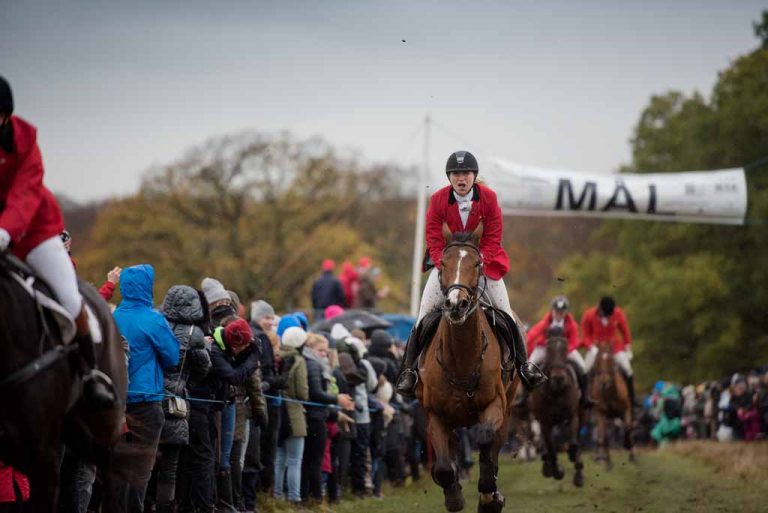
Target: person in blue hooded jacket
(152, 347)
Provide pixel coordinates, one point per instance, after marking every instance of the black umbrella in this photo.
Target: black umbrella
(353, 319)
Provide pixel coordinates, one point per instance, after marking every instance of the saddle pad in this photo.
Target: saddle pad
(64, 321)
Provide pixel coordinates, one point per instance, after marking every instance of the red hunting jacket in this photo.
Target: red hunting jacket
(537, 335)
(443, 207)
(617, 329)
(28, 211)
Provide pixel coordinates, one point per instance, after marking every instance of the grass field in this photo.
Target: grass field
(691, 477)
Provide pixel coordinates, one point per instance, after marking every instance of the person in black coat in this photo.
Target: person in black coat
(183, 308)
(327, 290)
(322, 390)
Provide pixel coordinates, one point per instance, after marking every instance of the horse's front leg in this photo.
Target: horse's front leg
(491, 436)
(629, 444)
(445, 472)
(574, 450)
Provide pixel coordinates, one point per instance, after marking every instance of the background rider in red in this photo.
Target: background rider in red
(462, 205)
(607, 322)
(30, 224)
(560, 318)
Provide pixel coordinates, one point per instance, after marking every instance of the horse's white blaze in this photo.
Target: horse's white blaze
(453, 296)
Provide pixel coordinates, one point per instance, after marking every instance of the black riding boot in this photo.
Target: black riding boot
(406, 381)
(585, 402)
(98, 389)
(530, 374)
(631, 390)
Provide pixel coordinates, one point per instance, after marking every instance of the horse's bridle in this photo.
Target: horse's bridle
(474, 296)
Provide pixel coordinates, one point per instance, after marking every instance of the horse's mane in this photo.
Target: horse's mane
(463, 237)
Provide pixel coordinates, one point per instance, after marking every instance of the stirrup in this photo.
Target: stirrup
(99, 390)
(407, 389)
(531, 375)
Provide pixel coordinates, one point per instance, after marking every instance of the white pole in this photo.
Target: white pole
(418, 236)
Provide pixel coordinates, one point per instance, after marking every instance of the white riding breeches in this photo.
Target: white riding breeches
(621, 359)
(52, 263)
(539, 354)
(495, 293)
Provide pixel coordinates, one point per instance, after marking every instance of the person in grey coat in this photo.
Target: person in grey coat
(184, 311)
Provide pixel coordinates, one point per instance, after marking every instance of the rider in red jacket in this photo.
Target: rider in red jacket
(30, 224)
(462, 205)
(559, 318)
(607, 322)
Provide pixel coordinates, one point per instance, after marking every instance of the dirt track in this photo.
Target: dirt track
(664, 480)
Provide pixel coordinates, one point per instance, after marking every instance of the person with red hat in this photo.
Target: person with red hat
(327, 290)
(30, 224)
(234, 361)
(462, 206)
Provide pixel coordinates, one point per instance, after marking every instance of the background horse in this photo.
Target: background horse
(611, 397)
(461, 381)
(39, 408)
(556, 404)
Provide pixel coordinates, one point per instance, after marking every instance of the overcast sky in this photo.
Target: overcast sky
(117, 87)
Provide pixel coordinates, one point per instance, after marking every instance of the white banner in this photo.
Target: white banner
(696, 197)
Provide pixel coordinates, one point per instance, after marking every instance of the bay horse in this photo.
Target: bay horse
(556, 404)
(611, 397)
(40, 409)
(461, 381)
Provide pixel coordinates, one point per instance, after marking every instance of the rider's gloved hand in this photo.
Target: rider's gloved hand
(5, 239)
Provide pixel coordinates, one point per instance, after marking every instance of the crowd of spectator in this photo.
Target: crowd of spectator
(732, 408)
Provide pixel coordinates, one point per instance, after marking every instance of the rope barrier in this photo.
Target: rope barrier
(276, 399)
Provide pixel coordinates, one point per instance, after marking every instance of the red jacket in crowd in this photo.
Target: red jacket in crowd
(616, 329)
(443, 207)
(537, 335)
(30, 212)
(9, 476)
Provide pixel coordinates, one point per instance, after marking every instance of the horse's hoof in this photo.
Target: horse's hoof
(454, 499)
(578, 480)
(559, 472)
(546, 470)
(490, 503)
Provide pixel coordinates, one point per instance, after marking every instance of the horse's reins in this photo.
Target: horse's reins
(474, 297)
(467, 385)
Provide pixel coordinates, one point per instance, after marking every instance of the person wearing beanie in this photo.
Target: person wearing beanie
(293, 423)
(219, 301)
(288, 321)
(332, 311)
(262, 444)
(235, 360)
(326, 291)
(383, 347)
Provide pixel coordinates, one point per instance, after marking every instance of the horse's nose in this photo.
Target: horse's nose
(447, 303)
(464, 304)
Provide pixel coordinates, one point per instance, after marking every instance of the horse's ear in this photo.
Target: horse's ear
(478, 234)
(447, 235)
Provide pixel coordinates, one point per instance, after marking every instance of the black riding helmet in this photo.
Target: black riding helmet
(607, 304)
(6, 97)
(461, 161)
